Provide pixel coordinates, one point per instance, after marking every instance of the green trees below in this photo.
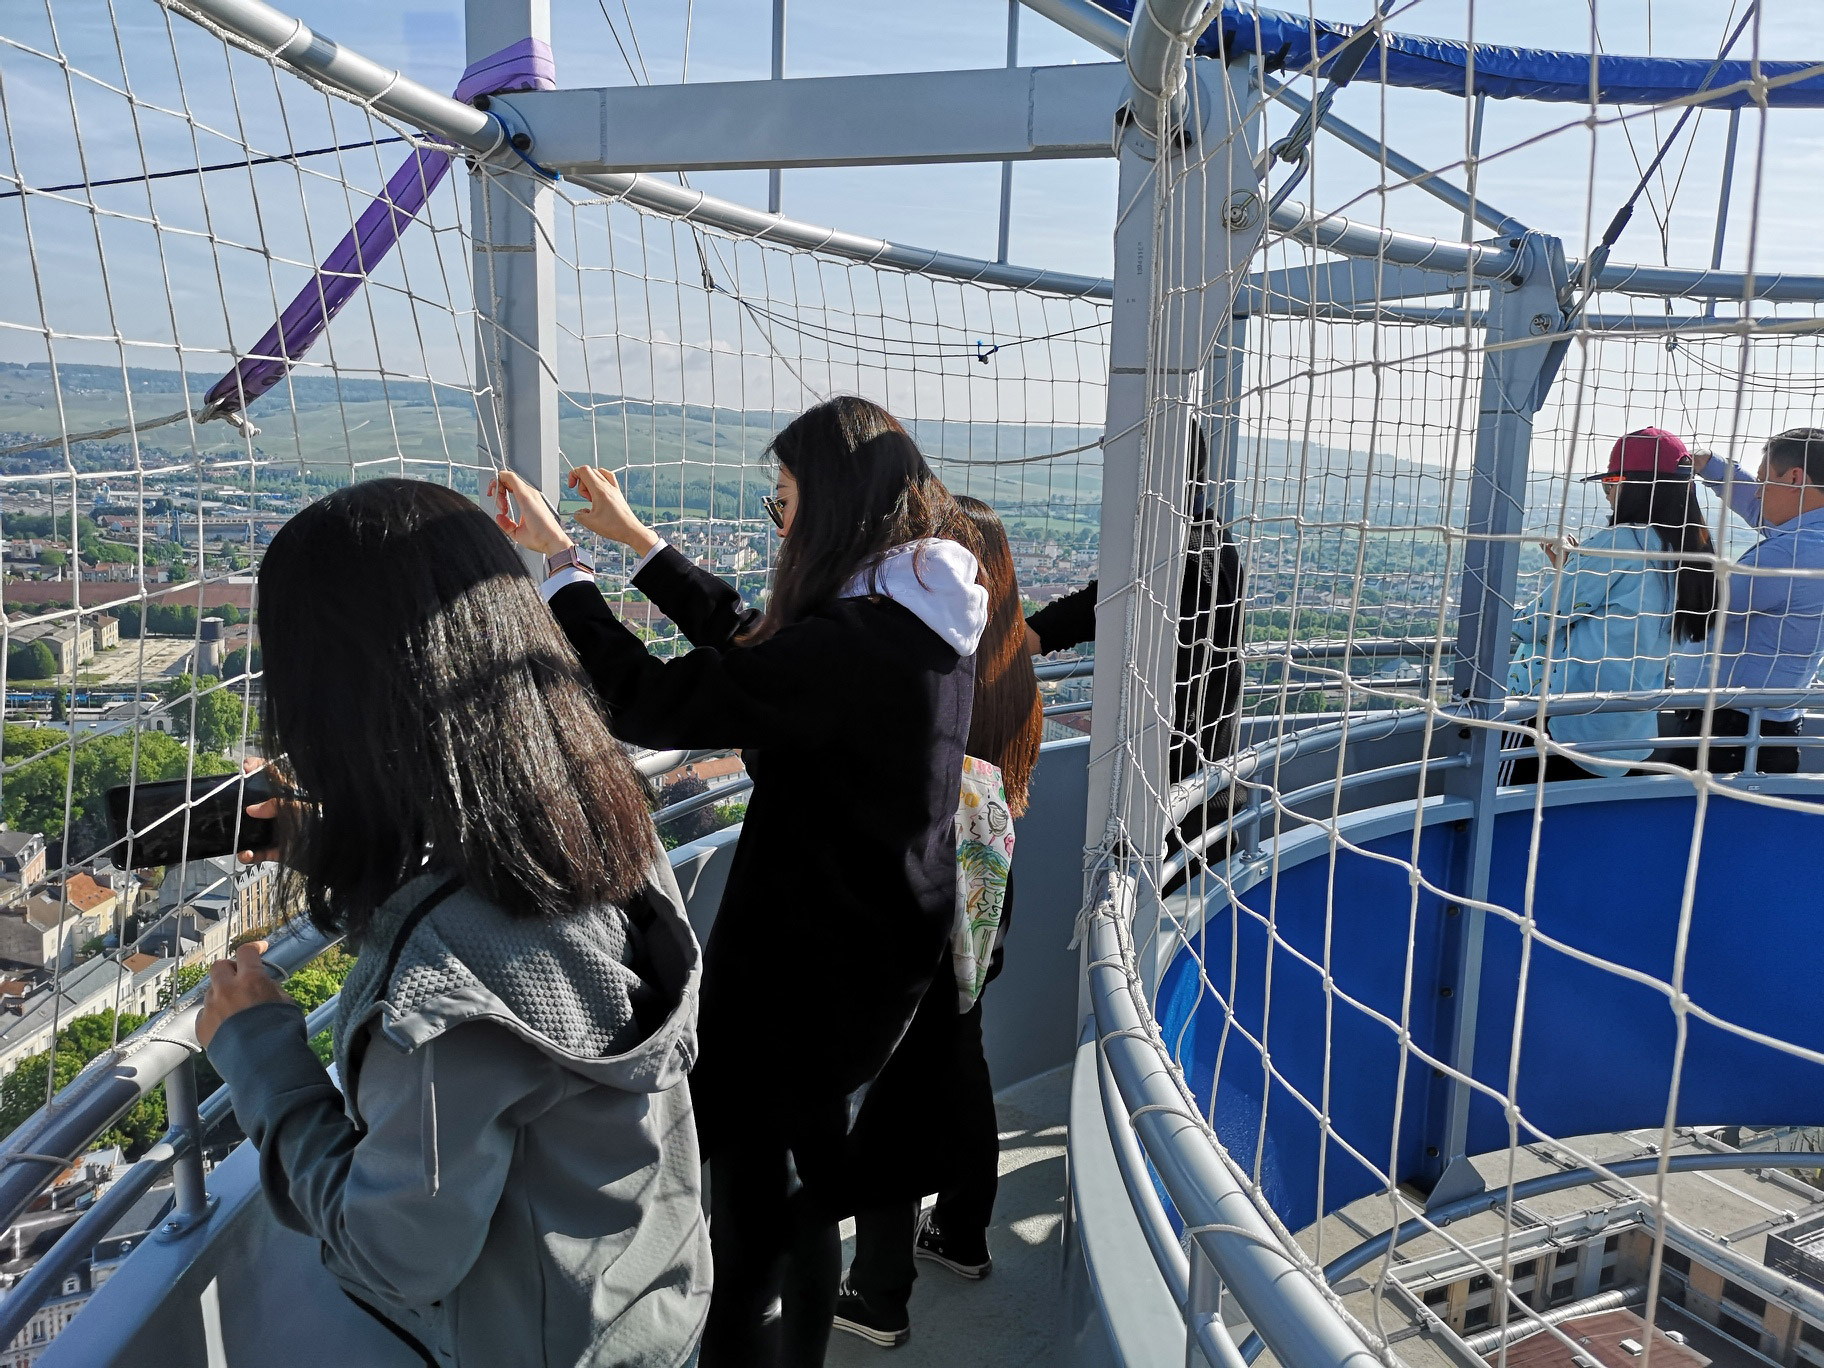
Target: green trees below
(34, 793)
(170, 619)
(31, 660)
(23, 1091)
(237, 664)
(26, 1088)
(93, 540)
(213, 718)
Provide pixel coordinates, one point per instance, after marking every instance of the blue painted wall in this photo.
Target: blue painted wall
(1596, 1050)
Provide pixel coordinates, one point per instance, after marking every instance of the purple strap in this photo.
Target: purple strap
(526, 65)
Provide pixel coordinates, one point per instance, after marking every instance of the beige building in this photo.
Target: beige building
(50, 926)
(21, 858)
(70, 645)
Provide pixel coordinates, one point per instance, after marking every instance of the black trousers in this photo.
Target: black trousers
(1557, 767)
(772, 1238)
(883, 1270)
(1732, 759)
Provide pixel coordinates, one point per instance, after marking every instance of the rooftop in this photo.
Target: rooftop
(14, 842)
(1730, 1212)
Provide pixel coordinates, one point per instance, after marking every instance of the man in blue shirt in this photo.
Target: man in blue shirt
(1770, 633)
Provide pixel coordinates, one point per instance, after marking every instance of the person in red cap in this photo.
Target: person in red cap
(1611, 608)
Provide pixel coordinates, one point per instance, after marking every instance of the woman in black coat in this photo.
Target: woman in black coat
(850, 700)
(930, 1123)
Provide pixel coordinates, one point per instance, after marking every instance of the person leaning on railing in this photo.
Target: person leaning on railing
(513, 1175)
(849, 699)
(1207, 675)
(1611, 607)
(1772, 627)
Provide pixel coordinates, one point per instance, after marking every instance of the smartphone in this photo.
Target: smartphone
(217, 824)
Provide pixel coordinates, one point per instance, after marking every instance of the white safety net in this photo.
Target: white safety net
(1378, 955)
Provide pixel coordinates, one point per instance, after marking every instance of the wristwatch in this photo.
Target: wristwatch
(570, 555)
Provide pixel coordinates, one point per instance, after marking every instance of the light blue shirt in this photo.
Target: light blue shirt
(1772, 627)
(1606, 620)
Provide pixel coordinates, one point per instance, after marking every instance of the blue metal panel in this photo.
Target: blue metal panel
(1288, 41)
(1596, 1051)
(1368, 949)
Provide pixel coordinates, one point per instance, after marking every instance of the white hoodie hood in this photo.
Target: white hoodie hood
(934, 580)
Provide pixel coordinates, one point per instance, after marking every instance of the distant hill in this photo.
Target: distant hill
(325, 422)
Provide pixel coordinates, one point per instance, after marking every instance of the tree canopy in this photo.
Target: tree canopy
(33, 799)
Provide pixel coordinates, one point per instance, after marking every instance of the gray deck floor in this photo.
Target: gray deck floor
(1015, 1316)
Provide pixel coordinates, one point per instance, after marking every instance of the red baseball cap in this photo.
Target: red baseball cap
(1649, 452)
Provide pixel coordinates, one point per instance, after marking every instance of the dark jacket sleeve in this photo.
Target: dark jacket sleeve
(787, 690)
(1066, 622)
(705, 608)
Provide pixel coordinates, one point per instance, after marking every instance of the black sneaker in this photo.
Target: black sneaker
(855, 1315)
(969, 1261)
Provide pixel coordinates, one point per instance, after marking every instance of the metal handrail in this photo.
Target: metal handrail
(57, 1135)
(22, 1302)
(1239, 772)
(1075, 668)
(1251, 815)
(714, 798)
(652, 764)
(1293, 1311)
(1381, 724)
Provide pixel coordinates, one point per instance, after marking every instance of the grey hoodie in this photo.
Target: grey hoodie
(512, 1177)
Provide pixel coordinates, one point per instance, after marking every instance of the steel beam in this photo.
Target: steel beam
(1093, 24)
(1000, 114)
(1013, 61)
(1177, 270)
(1349, 282)
(1417, 173)
(515, 282)
(775, 178)
(1524, 342)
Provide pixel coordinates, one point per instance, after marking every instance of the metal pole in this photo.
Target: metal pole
(1176, 277)
(1013, 60)
(1203, 1304)
(1515, 381)
(775, 179)
(1374, 149)
(191, 1202)
(1722, 204)
(515, 279)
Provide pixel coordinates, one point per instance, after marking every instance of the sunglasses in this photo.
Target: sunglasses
(775, 509)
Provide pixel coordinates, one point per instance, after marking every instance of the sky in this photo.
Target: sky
(1063, 211)
(196, 265)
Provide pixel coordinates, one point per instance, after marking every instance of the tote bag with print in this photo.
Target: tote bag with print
(984, 853)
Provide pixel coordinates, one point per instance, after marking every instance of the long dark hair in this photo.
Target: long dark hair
(863, 488)
(427, 705)
(1007, 720)
(1669, 506)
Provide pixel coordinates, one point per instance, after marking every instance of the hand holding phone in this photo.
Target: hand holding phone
(169, 821)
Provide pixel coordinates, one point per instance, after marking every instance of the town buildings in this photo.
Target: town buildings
(1738, 1282)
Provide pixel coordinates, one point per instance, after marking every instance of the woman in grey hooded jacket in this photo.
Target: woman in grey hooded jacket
(510, 1174)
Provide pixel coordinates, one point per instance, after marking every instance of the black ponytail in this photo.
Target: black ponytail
(1669, 506)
